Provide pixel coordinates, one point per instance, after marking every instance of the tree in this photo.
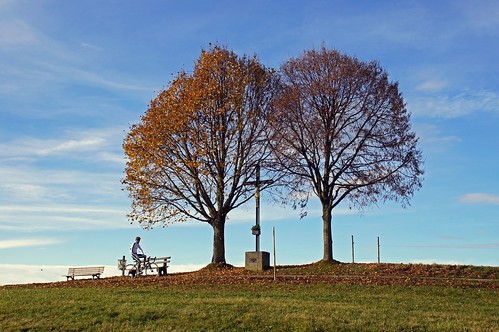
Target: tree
(198, 142)
(341, 130)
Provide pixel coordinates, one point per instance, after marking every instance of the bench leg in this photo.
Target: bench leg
(162, 271)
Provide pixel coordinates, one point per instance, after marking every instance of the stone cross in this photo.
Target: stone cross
(257, 184)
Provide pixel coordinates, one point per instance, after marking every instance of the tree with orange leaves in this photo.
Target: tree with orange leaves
(199, 141)
(342, 132)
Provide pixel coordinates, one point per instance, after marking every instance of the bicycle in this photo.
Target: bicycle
(140, 266)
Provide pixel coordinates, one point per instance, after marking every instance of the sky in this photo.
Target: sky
(74, 75)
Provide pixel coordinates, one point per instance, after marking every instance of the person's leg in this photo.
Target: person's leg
(138, 262)
(142, 259)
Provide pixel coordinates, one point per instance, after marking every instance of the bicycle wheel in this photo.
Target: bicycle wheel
(152, 266)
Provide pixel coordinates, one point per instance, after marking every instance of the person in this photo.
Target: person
(136, 248)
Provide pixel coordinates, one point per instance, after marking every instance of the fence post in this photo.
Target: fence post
(273, 247)
(353, 251)
(378, 249)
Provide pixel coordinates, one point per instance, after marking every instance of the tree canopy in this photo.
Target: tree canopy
(198, 142)
(341, 131)
(327, 124)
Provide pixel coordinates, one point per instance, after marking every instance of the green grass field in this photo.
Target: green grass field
(197, 303)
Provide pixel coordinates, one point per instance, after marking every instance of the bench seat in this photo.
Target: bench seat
(94, 272)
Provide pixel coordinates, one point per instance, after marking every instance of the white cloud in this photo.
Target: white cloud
(24, 191)
(185, 268)
(116, 158)
(432, 85)
(91, 47)
(483, 16)
(431, 135)
(18, 243)
(436, 261)
(25, 274)
(86, 196)
(97, 79)
(15, 33)
(83, 145)
(38, 70)
(77, 144)
(59, 216)
(275, 213)
(480, 198)
(446, 106)
(57, 185)
(60, 209)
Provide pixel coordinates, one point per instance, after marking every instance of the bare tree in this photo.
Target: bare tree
(199, 141)
(342, 132)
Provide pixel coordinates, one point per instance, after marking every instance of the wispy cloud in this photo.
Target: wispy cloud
(86, 195)
(95, 144)
(60, 216)
(432, 85)
(430, 134)
(36, 147)
(57, 185)
(86, 144)
(452, 106)
(483, 17)
(480, 198)
(436, 261)
(38, 69)
(14, 32)
(18, 243)
(91, 46)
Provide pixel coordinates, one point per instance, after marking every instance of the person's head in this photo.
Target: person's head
(137, 239)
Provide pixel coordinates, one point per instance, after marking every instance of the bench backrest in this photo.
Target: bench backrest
(85, 270)
(162, 259)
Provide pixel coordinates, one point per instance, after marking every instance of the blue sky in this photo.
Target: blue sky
(74, 75)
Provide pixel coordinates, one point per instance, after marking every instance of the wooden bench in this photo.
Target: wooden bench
(95, 272)
(162, 263)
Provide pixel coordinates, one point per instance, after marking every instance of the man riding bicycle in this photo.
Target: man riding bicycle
(135, 251)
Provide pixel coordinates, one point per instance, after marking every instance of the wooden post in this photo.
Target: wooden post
(353, 251)
(332, 248)
(257, 203)
(122, 265)
(273, 246)
(378, 249)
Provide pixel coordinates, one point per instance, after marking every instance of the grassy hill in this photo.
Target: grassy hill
(315, 297)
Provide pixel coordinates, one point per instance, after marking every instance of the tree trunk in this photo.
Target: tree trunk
(218, 241)
(327, 233)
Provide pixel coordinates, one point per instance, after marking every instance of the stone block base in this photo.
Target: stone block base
(257, 260)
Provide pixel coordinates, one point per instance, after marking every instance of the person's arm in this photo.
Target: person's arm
(140, 248)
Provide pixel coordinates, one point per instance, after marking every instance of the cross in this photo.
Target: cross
(257, 184)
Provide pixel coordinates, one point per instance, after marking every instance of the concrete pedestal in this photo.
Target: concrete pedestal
(257, 260)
